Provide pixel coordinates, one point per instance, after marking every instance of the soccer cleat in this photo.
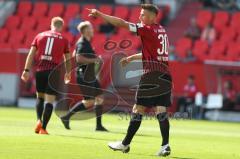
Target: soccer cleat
(118, 146)
(38, 126)
(66, 123)
(43, 132)
(165, 151)
(101, 128)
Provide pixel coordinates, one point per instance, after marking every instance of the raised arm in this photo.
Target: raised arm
(118, 22)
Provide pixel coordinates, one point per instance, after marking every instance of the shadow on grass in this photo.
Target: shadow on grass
(144, 135)
(82, 137)
(182, 157)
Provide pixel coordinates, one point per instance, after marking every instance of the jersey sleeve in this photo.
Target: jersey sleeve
(139, 28)
(34, 42)
(80, 49)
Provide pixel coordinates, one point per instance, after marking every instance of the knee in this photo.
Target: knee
(138, 109)
(136, 117)
(160, 109)
(162, 116)
(88, 103)
(40, 95)
(50, 98)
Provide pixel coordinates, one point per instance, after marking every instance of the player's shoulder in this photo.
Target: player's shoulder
(80, 42)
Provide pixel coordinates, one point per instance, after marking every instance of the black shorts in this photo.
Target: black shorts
(154, 90)
(89, 88)
(43, 84)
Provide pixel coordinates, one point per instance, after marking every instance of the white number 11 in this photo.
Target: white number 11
(49, 46)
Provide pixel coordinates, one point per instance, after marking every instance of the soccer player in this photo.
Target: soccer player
(86, 77)
(47, 48)
(155, 84)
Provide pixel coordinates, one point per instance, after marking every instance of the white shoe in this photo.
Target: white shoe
(118, 146)
(165, 151)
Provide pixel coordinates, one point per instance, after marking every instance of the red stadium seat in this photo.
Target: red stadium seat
(40, 9)
(217, 50)
(56, 9)
(15, 40)
(182, 46)
(69, 37)
(28, 23)
(85, 12)
(72, 10)
(233, 51)
(122, 12)
(43, 24)
(5, 46)
(235, 23)
(200, 47)
(4, 35)
(24, 8)
(98, 42)
(107, 9)
(227, 34)
(30, 37)
(221, 20)
(204, 17)
(134, 14)
(13, 22)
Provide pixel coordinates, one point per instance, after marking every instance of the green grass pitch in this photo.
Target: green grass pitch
(189, 139)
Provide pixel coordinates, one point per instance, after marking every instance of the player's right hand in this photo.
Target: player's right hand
(124, 62)
(67, 78)
(93, 12)
(25, 76)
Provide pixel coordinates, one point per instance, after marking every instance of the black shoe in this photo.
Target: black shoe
(66, 123)
(101, 128)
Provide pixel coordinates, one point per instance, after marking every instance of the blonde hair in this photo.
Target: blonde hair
(81, 26)
(57, 22)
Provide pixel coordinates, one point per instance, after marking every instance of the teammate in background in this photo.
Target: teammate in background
(86, 77)
(47, 48)
(155, 84)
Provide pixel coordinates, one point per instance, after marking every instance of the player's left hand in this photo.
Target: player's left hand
(25, 76)
(93, 12)
(67, 78)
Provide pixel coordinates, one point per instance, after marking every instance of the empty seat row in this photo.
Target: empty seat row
(218, 50)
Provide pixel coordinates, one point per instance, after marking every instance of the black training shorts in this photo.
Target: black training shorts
(43, 85)
(154, 90)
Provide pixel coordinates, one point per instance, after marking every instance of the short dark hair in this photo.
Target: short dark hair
(150, 7)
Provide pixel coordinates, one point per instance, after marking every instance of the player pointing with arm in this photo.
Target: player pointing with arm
(48, 48)
(155, 84)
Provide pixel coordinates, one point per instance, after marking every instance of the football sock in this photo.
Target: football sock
(76, 108)
(47, 114)
(39, 108)
(164, 127)
(133, 127)
(99, 111)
